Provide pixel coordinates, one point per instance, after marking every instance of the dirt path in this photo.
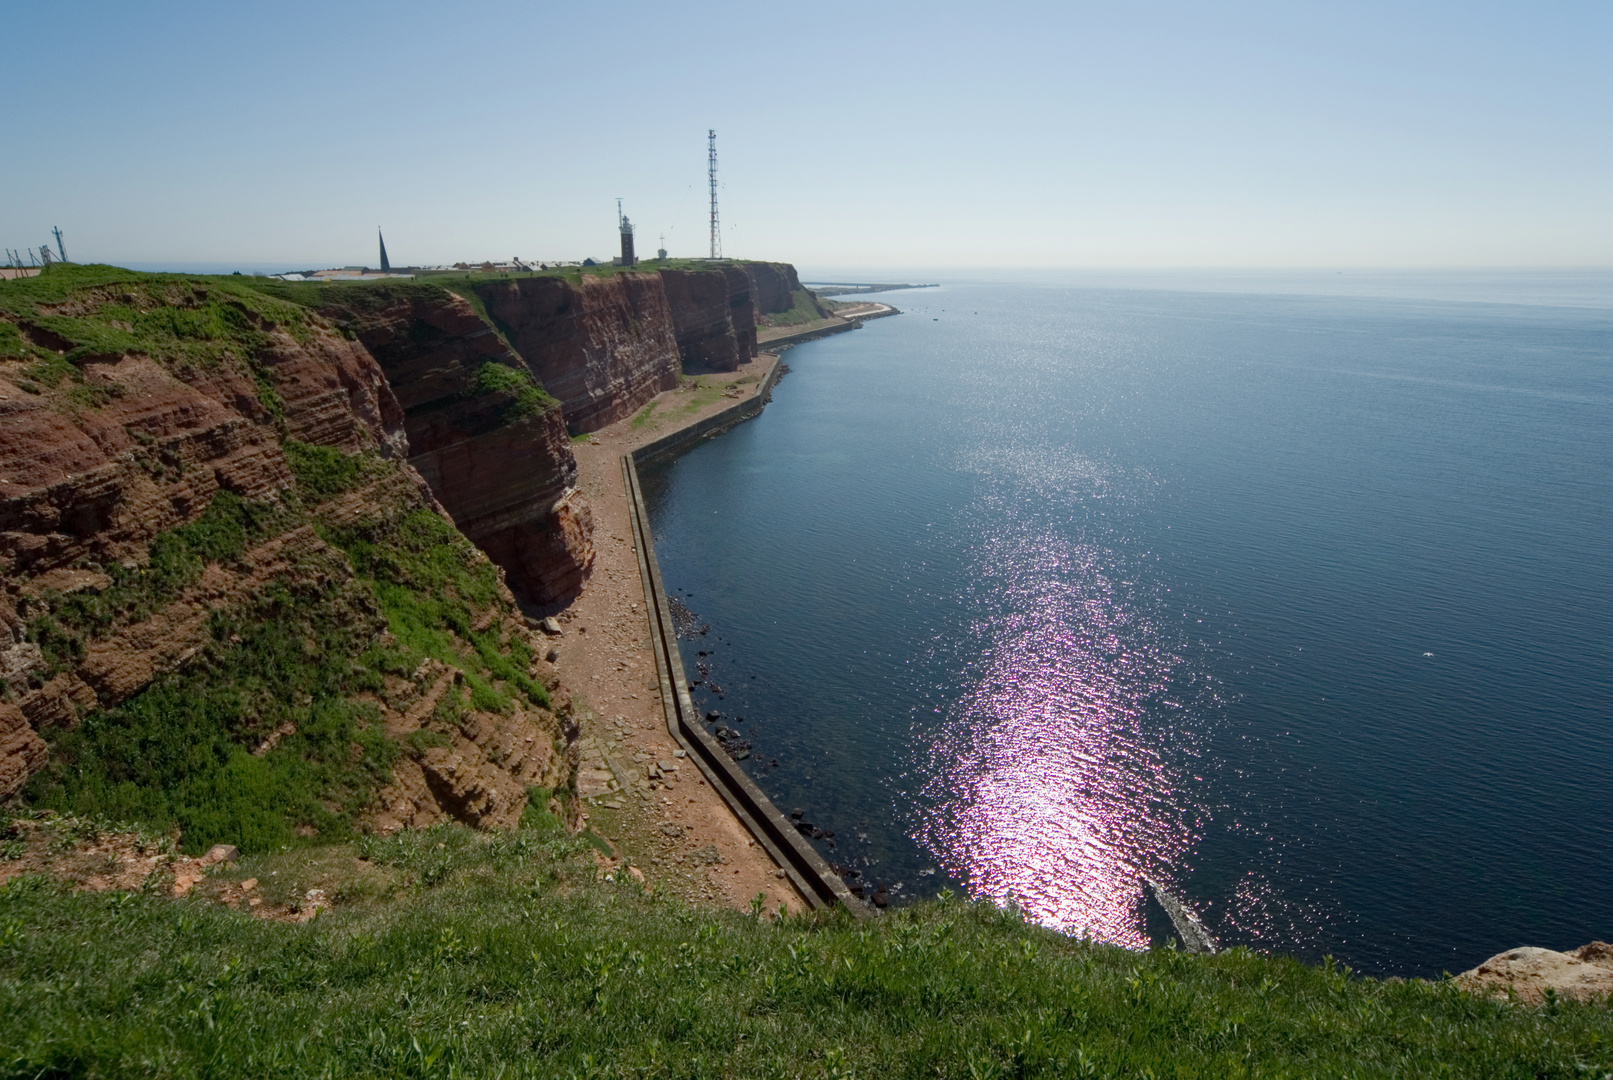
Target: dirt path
(667, 823)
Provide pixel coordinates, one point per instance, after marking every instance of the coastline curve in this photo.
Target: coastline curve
(806, 869)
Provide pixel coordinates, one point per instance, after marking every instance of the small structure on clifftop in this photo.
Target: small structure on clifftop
(627, 258)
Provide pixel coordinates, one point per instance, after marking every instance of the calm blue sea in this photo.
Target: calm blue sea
(1297, 601)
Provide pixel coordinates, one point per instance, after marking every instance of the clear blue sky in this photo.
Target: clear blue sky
(949, 135)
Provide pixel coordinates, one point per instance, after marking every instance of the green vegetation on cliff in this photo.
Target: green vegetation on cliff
(71, 314)
(450, 953)
(806, 310)
(298, 616)
(348, 305)
(263, 740)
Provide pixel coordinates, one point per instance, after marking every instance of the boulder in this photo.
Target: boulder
(1586, 973)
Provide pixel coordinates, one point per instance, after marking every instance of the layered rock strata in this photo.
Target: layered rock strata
(604, 345)
(494, 450)
(742, 309)
(128, 405)
(713, 317)
(774, 287)
(481, 765)
(131, 408)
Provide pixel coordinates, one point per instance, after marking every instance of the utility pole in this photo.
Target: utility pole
(711, 172)
(59, 249)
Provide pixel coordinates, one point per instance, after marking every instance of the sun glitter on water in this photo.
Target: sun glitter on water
(1047, 789)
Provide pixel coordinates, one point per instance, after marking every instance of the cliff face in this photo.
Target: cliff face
(742, 310)
(100, 457)
(712, 318)
(493, 448)
(131, 448)
(774, 287)
(224, 598)
(603, 346)
(189, 464)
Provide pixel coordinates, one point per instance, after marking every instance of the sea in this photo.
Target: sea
(1289, 594)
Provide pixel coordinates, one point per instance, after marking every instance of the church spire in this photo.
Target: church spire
(386, 267)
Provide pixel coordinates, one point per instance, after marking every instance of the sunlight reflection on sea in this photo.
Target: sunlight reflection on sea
(1046, 789)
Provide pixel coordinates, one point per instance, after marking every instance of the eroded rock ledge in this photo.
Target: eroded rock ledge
(1529, 973)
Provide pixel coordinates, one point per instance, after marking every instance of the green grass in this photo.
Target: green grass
(805, 311)
(644, 415)
(175, 559)
(470, 955)
(527, 397)
(430, 582)
(179, 754)
(186, 322)
(323, 472)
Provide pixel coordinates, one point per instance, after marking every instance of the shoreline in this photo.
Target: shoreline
(668, 826)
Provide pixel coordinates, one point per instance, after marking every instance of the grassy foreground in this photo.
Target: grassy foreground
(451, 953)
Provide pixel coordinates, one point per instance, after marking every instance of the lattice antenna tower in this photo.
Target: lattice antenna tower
(711, 173)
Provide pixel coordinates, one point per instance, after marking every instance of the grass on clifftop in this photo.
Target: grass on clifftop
(72, 314)
(451, 953)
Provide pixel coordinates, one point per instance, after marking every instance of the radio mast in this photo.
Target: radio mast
(711, 172)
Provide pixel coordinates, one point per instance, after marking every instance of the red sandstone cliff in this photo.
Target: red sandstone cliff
(742, 308)
(603, 345)
(774, 286)
(135, 444)
(90, 472)
(501, 465)
(712, 317)
(127, 406)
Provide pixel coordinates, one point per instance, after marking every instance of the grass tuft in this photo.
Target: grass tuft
(453, 953)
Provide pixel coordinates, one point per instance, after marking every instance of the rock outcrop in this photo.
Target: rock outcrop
(713, 318)
(130, 404)
(1527, 973)
(774, 287)
(494, 449)
(604, 344)
(478, 765)
(143, 450)
(191, 470)
(122, 448)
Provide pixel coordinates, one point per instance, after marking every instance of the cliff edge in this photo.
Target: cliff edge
(490, 442)
(230, 606)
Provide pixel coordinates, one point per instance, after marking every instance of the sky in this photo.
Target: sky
(1009, 134)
